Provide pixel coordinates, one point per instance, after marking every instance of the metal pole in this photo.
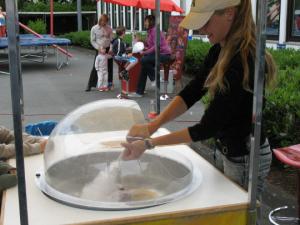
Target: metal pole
(51, 18)
(257, 108)
(79, 16)
(157, 54)
(17, 101)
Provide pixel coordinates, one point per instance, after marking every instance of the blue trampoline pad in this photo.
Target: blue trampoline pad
(32, 40)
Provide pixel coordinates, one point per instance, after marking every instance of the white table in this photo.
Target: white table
(217, 201)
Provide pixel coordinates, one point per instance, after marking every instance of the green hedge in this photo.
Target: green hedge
(83, 38)
(282, 109)
(286, 59)
(195, 53)
(58, 7)
(38, 26)
(79, 38)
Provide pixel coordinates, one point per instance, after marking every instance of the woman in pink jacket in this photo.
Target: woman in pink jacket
(148, 59)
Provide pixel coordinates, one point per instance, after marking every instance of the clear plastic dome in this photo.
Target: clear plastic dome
(83, 167)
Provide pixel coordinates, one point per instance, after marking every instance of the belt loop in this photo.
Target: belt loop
(224, 150)
(222, 147)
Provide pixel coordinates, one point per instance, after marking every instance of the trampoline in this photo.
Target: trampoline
(30, 40)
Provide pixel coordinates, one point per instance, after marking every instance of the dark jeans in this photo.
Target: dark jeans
(147, 69)
(93, 75)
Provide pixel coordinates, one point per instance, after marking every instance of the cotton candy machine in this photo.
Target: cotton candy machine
(83, 167)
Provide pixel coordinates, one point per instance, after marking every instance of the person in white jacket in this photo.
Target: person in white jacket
(101, 68)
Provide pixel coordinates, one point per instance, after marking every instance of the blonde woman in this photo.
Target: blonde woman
(228, 76)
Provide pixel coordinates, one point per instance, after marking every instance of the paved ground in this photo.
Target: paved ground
(51, 94)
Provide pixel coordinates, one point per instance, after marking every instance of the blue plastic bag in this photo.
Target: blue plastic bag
(43, 128)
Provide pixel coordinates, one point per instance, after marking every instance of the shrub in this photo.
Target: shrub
(79, 38)
(282, 110)
(58, 7)
(286, 58)
(38, 26)
(35, 7)
(195, 54)
(128, 37)
(83, 38)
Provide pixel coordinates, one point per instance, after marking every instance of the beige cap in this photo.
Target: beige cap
(202, 10)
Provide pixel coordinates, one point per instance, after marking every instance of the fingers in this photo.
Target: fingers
(127, 154)
(139, 130)
(133, 150)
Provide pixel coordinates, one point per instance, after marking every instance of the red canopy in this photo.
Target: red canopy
(165, 5)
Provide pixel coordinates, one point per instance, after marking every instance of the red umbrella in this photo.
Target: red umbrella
(165, 5)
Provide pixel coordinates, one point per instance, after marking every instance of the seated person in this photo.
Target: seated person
(31, 144)
(119, 51)
(148, 59)
(8, 176)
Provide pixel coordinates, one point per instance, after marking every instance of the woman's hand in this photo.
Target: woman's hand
(133, 150)
(139, 130)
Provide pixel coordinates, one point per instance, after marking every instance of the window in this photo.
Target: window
(120, 10)
(128, 20)
(113, 15)
(296, 18)
(273, 19)
(144, 14)
(293, 21)
(165, 20)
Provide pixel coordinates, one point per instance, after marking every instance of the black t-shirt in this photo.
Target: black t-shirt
(229, 114)
(118, 47)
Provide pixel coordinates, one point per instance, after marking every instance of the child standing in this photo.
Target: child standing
(119, 50)
(101, 68)
(2, 23)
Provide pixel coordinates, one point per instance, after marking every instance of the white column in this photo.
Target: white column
(283, 21)
(140, 20)
(105, 11)
(99, 12)
(124, 16)
(254, 5)
(131, 18)
(160, 21)
(118, 16)
(111, 15)
(149, 11)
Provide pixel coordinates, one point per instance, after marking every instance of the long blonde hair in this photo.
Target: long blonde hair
(241, 38)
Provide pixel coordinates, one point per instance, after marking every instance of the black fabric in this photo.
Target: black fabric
(118, 47)
(147, 69)
(229, 114)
